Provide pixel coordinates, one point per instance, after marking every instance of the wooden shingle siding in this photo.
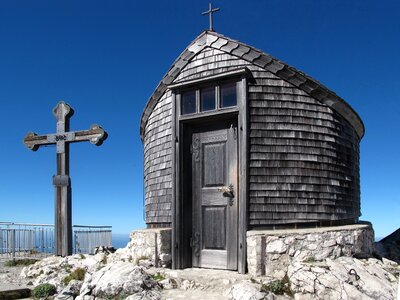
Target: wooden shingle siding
(304, 157)
(303, 163)
(157, 163)
(210, 62)
(157, 136)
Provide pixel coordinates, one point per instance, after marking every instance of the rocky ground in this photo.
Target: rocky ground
(117, 276)
(10, 278)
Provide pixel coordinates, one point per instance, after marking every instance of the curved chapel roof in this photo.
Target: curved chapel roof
(259, 58)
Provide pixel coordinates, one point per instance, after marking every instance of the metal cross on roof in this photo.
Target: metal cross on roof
(62, 182)
(210, 13)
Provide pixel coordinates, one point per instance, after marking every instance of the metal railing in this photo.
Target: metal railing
(24, 240)
(87, 238)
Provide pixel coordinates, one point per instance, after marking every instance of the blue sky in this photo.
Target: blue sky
(105, 58)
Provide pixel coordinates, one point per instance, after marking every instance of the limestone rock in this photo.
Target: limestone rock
(342, 278)
(86, 297)
(190, 285)
(119, 278)
(70, 291)
(245, 291)
(268, 251)
(169, 284)
(277, 246)
(145, 295)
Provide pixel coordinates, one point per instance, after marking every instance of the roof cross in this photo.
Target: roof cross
(62, 183)
(210, 13)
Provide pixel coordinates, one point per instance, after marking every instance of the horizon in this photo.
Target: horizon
(105, 60)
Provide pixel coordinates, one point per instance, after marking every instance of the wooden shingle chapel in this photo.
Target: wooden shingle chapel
(235, 142)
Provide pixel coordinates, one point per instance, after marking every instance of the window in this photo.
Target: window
(228, 95)
(209, 98)
(188, 102)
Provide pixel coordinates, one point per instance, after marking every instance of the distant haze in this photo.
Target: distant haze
(119, 240)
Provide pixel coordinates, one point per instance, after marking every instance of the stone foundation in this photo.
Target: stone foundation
(270, 252)
(152, 244)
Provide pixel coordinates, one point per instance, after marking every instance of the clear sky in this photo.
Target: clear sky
(105, 58)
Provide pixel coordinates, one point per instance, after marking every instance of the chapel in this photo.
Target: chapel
(235, 141)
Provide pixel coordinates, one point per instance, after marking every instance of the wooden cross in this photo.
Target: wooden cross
(210, 13)
(62, 182)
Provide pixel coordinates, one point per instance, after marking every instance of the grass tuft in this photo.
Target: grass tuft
(20, 262)
(77, 274)
(44, 290)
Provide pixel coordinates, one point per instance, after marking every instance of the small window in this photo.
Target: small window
(207, 98)
(188, 102)
(228, 95)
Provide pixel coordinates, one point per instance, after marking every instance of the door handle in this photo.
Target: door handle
(227, 191)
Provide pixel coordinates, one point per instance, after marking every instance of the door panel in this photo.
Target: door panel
(215, 207)
(213, 170)
(214, 237)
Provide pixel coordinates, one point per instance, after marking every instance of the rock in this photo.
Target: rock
(358, 279)
(266, 250)
(246, 291)
(71, 290)
(277, 246)
(145, 295)
(190, 285)
(64, 297)
(118, 278)
(329, 243)
(145, 263)
(169, 284)
(86, 297)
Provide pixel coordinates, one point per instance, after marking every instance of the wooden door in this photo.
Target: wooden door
(215, 203)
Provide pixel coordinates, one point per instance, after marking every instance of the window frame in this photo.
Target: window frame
(218, 101)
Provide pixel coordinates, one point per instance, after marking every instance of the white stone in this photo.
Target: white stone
(245, 291)
(169, 284)
(367, 280)
(290, 240)
(145, 295)
(71, 290)
(277, 246)
(119, 277)
(329, 243)
(312, 247)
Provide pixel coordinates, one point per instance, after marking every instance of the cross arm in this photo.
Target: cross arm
(34, 141)
(95, 135)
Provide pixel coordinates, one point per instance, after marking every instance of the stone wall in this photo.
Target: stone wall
(270, 252)
(151, 244)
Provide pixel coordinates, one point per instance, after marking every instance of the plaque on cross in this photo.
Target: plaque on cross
(62, 182)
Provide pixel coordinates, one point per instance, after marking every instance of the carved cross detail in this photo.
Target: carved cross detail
(63, 112)
(62, 183)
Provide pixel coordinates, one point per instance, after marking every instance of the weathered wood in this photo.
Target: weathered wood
(62, 182)
(243, 174)
(214, 163)
(298, 142)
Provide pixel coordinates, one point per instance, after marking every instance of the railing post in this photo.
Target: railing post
(13, 244)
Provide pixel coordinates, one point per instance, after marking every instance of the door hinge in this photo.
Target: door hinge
(191, 242)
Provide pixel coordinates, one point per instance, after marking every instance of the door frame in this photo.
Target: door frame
(180, 132)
